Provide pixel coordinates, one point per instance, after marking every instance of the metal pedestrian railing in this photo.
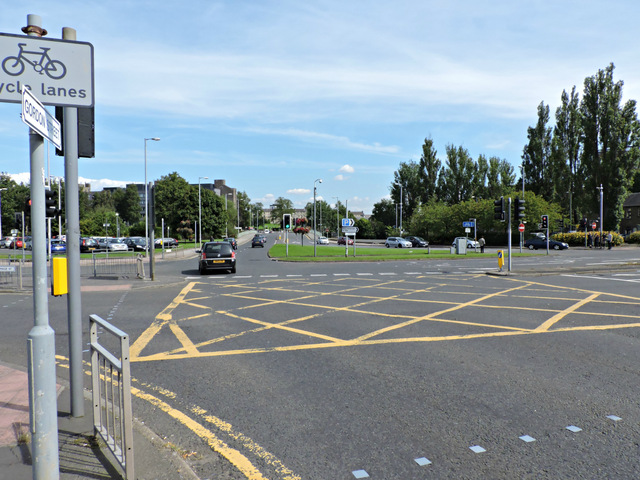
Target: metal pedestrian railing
(111, 391)
(116, 264)
(11, 272)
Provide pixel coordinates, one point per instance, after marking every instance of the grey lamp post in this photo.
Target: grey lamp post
(200, 211)
(337, 217)
(400, 207)
(1, 190)
(146, 195)
(226, 225)
(319, 180)
(117, 225)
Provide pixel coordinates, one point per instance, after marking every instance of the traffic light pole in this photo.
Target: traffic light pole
(509, 236)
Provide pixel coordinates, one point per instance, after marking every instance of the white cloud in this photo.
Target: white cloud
(347, 169)
(339, 177)
(298, 191)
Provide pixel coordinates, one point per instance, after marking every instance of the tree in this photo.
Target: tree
(458, 176)
(566, 148)
(384, 212)
(429, 169)
(610, 155)
(127, 204)
(407, 176)
(175, 201)
(536, 155)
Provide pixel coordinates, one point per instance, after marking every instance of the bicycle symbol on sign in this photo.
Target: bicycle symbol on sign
(14, 66)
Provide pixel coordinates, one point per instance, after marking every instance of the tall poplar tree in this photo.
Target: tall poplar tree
(610, 156)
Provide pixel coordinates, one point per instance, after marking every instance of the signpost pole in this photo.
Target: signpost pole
(72, 209)
(509, 238)
(43, 410)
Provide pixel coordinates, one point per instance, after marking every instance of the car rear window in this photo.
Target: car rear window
(223, 248)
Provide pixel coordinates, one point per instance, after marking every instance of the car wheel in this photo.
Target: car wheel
(531, 247)
(202, 270)
(387, 245)
(556, 247)
(233, 270)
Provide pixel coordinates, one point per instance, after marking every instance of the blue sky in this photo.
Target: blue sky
(272, 95)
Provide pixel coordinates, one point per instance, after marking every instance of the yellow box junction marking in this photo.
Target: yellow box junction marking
(397, 290)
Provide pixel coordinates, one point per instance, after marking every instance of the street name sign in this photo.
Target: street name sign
(39, 119)
(60, 72)
(348, 222)
(350, 230)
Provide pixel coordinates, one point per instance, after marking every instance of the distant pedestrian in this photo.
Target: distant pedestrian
(609, 241)
(481, 242)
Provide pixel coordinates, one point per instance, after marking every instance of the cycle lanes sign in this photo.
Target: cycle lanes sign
(58, 72)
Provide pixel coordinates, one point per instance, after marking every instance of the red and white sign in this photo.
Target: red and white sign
(593, 226)
(521, 227)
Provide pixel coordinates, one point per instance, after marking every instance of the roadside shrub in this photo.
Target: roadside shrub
(576, 239)
(634, 237)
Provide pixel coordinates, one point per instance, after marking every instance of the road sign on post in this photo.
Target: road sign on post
(348, 222)
(521, 227)
(594, 225)
(60, 72)
(39, 119)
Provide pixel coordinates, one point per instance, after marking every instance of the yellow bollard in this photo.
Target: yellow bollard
(500, 259)
(59, 277)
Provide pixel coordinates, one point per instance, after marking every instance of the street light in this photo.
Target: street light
(226, 225)
(337, 217)
(146, 196)
(117, 225)
(1, 190)
(399, 185)
(200, 211)
(319, 180)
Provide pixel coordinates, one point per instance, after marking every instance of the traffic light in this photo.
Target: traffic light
(498, 209)
(50, 207)
(545, 221)
(286, 221)
(518, 211)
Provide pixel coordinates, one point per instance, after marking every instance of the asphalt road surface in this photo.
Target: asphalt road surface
(387, 370)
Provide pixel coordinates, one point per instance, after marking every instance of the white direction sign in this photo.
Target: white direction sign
(36, 116)
(60, 72)
(348, 222)
(349, 230)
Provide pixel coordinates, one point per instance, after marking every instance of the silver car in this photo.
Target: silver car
(115, 245)
(397, 242)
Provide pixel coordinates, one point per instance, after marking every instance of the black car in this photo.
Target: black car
(137, 244)
(232, 241)
(217, 256)
(88, 245)
(417, 241)
(537, 242)
(258, 241)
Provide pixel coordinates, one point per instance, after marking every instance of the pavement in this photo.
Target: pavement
(81, 454)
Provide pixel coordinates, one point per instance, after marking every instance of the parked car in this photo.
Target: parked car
(88, 245)
(136, 244)
(257, 241)
(58, 246)
(116, 245)
(6, 242)
(16, 242)
(343, 241)
(166, 241)
(417, 241)
(471, 243)
(27, 243)
(397, 242)
(537, 242)
(217, 256)
(322, 241)
(232, 241)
